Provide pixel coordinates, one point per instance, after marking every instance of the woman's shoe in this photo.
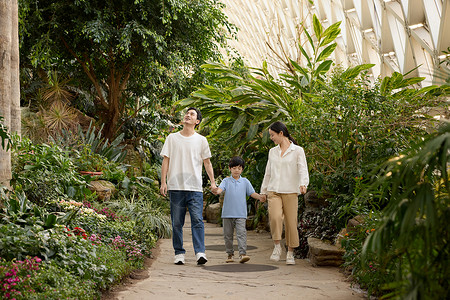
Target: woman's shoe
(290, 260)
(276, 253)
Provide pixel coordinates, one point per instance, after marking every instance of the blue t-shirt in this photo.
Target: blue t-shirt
(235, 201)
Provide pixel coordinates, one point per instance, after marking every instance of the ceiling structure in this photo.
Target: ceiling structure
(395, 35)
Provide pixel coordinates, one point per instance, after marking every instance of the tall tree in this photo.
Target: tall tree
(15, 82)
(5, 83)
(121, 49)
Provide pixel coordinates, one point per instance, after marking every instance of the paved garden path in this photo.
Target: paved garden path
(259, 278)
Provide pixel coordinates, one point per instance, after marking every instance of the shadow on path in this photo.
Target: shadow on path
(259, 278)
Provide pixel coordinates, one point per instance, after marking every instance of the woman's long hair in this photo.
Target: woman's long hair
(280, 127)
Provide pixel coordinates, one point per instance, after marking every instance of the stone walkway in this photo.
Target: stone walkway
(259, 278)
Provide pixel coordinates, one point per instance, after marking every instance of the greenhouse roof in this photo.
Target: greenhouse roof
(396, 36)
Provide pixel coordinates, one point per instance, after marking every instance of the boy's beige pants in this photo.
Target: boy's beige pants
(283, 207)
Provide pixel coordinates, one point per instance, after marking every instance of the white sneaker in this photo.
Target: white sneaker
(201, 258)
(179, 259)
(290, 258)
(276, 253)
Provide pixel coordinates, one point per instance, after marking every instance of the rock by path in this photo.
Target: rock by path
(259, 278)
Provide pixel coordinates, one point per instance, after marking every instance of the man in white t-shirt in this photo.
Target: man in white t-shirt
(183, 154)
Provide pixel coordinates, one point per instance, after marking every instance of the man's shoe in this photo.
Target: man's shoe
(276, 253)
(244, 258)
(201, 258)
(290, 258)
(179, 259)
(230, 258)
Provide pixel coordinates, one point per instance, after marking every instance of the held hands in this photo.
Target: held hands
(215, 190)
(263, 198)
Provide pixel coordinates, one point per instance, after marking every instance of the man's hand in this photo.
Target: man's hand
(163, 189)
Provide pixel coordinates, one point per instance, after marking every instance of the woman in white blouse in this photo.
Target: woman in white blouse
(286, 177)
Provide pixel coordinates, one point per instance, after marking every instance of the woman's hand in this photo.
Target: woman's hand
(302, 189)
(263, 198)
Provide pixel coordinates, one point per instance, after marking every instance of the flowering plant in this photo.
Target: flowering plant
(84, 211)
(15, 277)
(133, 250)
(33, 278)
(108, 212)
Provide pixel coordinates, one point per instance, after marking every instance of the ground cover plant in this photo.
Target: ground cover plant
(55, 222)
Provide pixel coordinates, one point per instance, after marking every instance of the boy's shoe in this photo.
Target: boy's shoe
(230, 258)
(201, 258)
(179, 259)
(276, 253)
(243, 258)
(290, 258)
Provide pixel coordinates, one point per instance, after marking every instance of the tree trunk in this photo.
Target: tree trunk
(16, 122)
(113, 113)
(5, 84)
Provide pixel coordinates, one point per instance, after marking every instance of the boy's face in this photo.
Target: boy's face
(236, 171)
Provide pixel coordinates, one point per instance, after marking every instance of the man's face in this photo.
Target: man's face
(191, 118)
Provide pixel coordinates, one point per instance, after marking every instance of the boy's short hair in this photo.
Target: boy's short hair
(236, 161)
(199, 114)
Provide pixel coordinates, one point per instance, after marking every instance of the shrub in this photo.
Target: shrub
(34, 279)
(44, 172)
(412, 239)
(368, 273)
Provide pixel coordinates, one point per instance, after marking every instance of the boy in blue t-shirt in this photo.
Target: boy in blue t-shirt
(234, 211)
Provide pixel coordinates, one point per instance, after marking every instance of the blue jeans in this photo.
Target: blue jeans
(179, 202)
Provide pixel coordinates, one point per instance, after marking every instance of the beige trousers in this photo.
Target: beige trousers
(284, 207)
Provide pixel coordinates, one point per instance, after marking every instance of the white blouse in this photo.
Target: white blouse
(285, 174)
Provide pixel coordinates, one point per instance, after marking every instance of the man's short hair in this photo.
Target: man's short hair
(236, 161)
(199, 114)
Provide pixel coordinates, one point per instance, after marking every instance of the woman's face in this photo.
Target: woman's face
(276, 137)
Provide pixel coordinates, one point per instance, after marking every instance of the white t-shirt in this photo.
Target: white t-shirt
(285, 174)
(186, 156)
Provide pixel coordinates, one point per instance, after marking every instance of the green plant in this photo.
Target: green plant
(147, 53)
(412, 240)
(18, 242)
(134, 252)
(86, 160)
(33, 279)
(45, 172)
(4, 135)
(78, 255)
(18, 210)
(367, 272)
